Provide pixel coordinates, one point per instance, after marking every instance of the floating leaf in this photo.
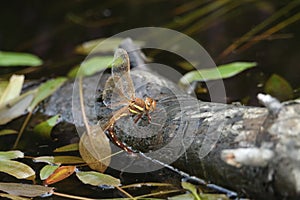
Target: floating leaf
(44, 128)
(26, 190)
(16, 169)
(221, 72)
(12, 90)
(278, 87)
(8, 59)
(107, 46)
(45, 90)
(59, 174)
(95, 149)
(16, 107)
(191, 188)
(11, 155)
(8, 132)
(59, 159)
(69, 147)
(3, 85)
(47, 170)
(97, 179)
(91, 66)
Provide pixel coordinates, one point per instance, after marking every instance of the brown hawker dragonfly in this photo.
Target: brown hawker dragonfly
(119, 94)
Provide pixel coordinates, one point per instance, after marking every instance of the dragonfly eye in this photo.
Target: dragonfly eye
(150, 104)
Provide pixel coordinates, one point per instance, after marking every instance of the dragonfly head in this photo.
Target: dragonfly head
(150, 104)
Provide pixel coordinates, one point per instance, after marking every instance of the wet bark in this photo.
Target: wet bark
(242, 148)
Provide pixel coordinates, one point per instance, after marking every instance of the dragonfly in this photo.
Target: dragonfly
(119, 94)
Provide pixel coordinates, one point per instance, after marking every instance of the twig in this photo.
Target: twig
(22, 130)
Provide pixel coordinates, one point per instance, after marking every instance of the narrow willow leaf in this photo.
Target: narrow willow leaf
(91, 66)
(13, 197)
(107, 46)
(10, 59)
(221, 72)
(26, 190)
(16, 107)
(12, 90)
(45, 90)
(278, 87)
(59, 159)
(69, 147)
(191, 188)
(97, 179)
(8, 132)
(44, 128)
(11, 155)
(182, 197)
(47, 170)
(16, 169)
(95, 149)
(60, 174)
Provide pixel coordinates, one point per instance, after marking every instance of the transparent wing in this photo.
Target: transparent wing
(113, 97)
(121, 74)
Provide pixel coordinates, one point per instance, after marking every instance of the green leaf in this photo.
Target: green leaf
(7, 155)
(108, 45)
(47, 170)
(8, 132)
(12, 90)
(191, 188)
(10, 59)
(278, 87)
(44, 128)
(97, 179)
(91, 66)
(45, 90)
(59, 159)
(188, 196)
(221, 72)
(16, 107)
(69, 147)
(26, 190)
(16, 169)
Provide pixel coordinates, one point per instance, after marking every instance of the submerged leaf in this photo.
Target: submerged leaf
(95, 149)
(16, 107)
(278, 87)
(8, 59)
(91, 66)
(11, 155)
(45, 90)
(47, 170)
(108, 45)
(59, 174)
(16, 169)
(69, 147)
(59, 159)
(44, 128)
(12, 90)
(221, 72)
(26, 190)
(97, 179)
(8, 132)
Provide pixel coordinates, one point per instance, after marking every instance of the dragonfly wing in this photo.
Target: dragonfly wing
(113, 97)
(121, 73)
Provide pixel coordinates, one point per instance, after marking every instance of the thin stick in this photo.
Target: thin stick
(158, 193)
(85, 121)
(71, 196)
(22, 130)
(124, 192)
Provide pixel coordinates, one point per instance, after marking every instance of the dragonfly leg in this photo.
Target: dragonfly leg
(138, 117)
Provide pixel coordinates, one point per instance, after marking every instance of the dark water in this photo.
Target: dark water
(52, 29)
